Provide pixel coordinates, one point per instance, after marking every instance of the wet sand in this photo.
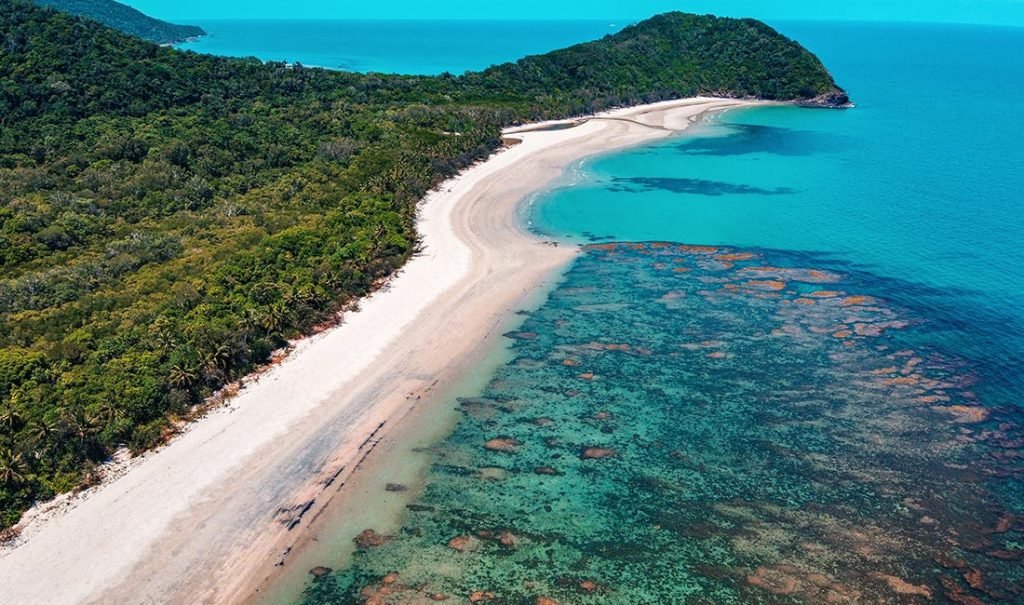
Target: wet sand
(217, 513)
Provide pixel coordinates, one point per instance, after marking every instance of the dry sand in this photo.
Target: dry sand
(205, 518)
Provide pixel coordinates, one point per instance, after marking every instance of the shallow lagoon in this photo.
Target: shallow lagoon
(700, 425)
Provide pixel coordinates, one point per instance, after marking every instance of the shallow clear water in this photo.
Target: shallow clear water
(818, 402)
(923, 180)
(696, 425)
(394, 46)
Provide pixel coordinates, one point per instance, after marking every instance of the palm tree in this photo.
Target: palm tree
(80, 427)
(107, 414)
(250, 321)
(163, 335)
(42, 430)
(182, 377)
(10, 417)
(12, 467)
(276, 318)
(221, 356)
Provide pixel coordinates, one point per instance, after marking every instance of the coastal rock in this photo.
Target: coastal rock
(837, 99)
(480, 596)
(546, 601)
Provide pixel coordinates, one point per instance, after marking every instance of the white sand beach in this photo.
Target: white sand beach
(206, 518)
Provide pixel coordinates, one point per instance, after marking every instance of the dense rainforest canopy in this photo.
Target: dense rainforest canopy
(169, 219)
(126, 19)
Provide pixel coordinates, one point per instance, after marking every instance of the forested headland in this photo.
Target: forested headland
(169, 219)
(127, 19)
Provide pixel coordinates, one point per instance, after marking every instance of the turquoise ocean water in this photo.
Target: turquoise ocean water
(394, 46)
(787, 368)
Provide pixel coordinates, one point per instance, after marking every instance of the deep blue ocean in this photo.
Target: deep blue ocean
(788, 367)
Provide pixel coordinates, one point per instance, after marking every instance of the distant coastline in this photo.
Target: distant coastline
(127, 19)
(187, 40)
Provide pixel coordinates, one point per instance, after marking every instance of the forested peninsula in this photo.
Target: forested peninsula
(127, 19)
(168, 219)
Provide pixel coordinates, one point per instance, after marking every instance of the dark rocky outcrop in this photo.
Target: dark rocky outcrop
(837, 99)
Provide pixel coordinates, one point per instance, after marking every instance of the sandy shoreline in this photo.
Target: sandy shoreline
(206, 518)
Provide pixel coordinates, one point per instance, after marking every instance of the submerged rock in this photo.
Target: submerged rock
(597, 453)
(901, 586)
(847, 423)
(773, 285)
(964, 414)
(777, 579)
(503, 444)
(369, 538)
(491, 473)
(320, 571)
(463, 543)
(507, 538)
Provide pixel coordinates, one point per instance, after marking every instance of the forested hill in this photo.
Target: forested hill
(126, 19)
(168, 219)
(675, 54)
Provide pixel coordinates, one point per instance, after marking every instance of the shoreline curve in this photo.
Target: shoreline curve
(214, 515)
